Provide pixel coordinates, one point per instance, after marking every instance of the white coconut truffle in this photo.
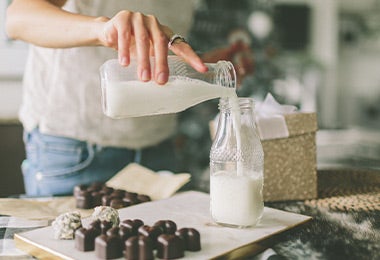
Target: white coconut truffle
(106, 213)
(65, 225)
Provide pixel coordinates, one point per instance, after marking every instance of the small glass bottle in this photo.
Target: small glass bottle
(236, 166)
(124, 95)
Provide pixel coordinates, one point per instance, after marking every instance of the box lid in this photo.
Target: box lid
(300, 123)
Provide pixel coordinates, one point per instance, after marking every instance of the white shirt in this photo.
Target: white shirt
(62, 94)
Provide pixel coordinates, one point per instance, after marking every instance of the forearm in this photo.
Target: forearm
(44, 23)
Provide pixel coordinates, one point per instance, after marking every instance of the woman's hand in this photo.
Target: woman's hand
(142, 36)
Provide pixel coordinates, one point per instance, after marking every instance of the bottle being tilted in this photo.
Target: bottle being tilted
(123, 95)
(236, 166)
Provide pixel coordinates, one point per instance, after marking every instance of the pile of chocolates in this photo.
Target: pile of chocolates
(135, 240)
(99, 194)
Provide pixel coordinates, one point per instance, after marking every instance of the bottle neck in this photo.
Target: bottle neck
(221, 73)
(240, 104)
(225, 74)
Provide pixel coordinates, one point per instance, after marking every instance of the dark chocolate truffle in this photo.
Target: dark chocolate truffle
(131, 195)
(168, 226)
(118, 203)
(95, 186)
(105, 225)
(125, 233)
(96, 198)
(98, 194)
(79, 188)
(132, 224)
(85, 238)
(150, 231)
(83, 200)
(131, 198)
(169, 246)
(94, 224)
(143, 198)
(114, 231)
(106, 199)
(139, 248)
(106, 190)
(108, 247)
(191, 238)
(118, 193)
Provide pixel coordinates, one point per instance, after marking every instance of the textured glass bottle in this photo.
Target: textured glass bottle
(236, 166)
(123, 95)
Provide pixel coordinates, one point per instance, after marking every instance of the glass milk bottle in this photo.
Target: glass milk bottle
(236, 166)
(123, 95)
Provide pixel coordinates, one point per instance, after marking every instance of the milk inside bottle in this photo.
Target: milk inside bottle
(123, 95)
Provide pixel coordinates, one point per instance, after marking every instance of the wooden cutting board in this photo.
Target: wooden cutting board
(187, 209)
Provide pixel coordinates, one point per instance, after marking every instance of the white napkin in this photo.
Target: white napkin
(139, 179)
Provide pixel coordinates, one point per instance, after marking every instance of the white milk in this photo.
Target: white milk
(236, 200)
(136, 98)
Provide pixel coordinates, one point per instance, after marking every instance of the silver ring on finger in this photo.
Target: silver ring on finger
(176, 38)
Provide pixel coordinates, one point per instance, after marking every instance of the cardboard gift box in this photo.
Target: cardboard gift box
(290, 167)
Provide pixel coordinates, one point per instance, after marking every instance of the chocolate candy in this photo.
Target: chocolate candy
(191, 238)
(96, 198)
(131, 198)
(97, 194)
(143, 198)
(117, 203)
(95, 224)
(105, 225)
(95, 186)
(168, 226)
(79, 188)
(169, 246)
(132, 224)
(85, 238)
(136, 240)
(108, 247)
(107, 190)
(106, 199)
(118, 193)
(83, 200)
(139, 248)
(125, 233)
(114, 231)
(151, 232)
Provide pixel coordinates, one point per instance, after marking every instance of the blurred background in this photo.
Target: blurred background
(321, 56)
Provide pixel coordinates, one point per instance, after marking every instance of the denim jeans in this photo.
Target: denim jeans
(54, 165)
